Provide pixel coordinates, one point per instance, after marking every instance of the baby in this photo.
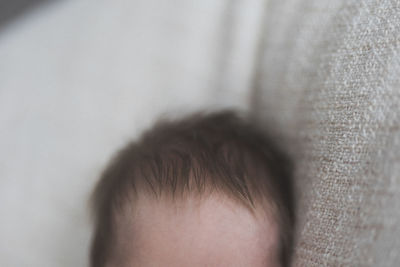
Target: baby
(206, 190)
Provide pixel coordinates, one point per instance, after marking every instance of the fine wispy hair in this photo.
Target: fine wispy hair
(223, 152)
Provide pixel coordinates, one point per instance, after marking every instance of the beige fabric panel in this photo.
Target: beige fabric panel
(329, 85)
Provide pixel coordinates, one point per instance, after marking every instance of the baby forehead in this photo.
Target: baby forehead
(199, 209)
(212, 227)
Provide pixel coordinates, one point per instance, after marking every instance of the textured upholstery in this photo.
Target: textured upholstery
(329, 83)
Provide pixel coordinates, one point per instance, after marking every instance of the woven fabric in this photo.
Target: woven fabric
(329, 84)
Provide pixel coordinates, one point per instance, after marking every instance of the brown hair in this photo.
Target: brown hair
(219, 151)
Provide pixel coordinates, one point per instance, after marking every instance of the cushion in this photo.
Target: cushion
(328, 83)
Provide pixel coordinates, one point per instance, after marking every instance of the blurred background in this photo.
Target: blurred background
(79, 78)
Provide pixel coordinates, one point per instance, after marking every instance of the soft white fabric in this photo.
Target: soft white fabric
(80, 78)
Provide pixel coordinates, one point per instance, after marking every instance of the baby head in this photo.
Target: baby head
(206, 190)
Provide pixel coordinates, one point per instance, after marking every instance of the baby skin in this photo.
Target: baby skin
(213, 231)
